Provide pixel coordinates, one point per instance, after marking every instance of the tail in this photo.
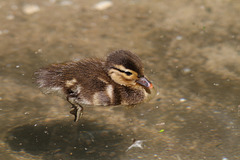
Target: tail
(50, 79)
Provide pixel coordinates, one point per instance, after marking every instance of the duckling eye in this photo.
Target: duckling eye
(128, 73)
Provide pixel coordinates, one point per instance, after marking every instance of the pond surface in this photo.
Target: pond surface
(191, 53)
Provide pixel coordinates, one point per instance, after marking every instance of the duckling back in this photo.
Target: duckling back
(85, 80)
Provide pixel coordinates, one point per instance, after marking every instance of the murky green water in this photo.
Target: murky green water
(191, 52)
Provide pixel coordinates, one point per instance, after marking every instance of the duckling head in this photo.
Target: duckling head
(126, 68)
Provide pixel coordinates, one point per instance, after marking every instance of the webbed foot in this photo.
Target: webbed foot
(77, 111)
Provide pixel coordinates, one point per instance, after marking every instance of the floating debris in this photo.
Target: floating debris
(26, 113)
(30, 9)
(182, 100)
(179, 38)
(188, 107)
(162, 130)
(155, 155)
(136, 144)
(161, 124)
(103, 5)
(186, 70)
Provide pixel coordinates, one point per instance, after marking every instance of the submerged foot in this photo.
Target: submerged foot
(77, 111)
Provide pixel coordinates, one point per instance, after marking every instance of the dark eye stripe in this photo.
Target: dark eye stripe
(126, 72)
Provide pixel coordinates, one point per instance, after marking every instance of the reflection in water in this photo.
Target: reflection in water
(62, 139)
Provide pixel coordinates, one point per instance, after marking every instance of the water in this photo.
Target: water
(191, 53)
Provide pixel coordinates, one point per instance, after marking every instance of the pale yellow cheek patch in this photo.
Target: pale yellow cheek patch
(70, 83)
(121, 79)
(117, 78)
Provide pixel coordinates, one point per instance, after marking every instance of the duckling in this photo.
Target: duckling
(119, 80)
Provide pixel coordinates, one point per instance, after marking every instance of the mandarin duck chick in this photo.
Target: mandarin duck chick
(119, 80)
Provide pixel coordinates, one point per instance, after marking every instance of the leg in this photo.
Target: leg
(77, 109)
